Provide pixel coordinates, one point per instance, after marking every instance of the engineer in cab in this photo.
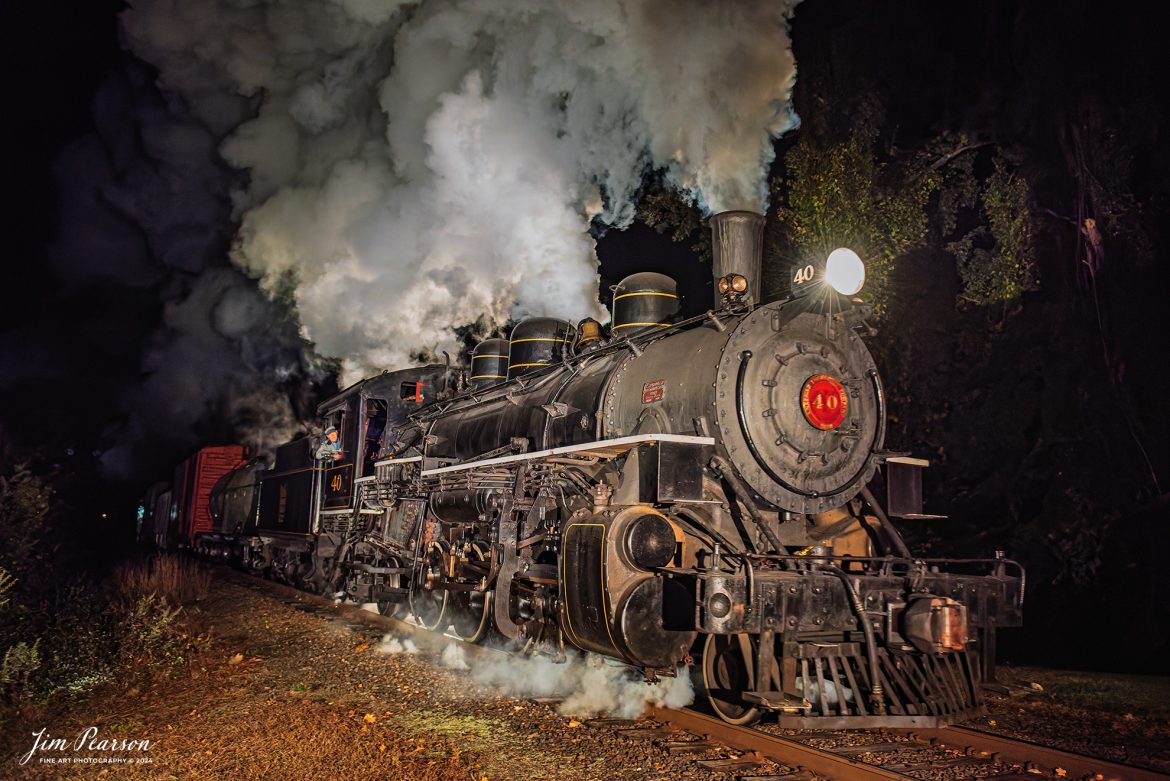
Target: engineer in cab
(330, 447)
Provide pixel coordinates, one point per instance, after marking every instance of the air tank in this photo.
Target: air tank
(536, 343)
(489, 363)
(643, 302)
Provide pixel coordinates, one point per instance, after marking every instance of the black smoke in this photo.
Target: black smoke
(128, 339)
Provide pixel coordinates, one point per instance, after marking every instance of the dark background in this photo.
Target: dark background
(1047, 425)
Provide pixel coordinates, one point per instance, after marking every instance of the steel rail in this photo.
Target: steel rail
(788, 752)
(1025, 751)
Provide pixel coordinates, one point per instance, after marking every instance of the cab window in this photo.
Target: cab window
(375, 426)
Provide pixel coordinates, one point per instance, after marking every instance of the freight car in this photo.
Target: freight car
(677, 492)
(233, 505)
(176, 515)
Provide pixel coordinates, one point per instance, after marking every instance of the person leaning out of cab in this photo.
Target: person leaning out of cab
(330, 447)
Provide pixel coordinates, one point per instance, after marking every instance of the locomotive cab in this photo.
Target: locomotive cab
(306, 506)
(363, 414)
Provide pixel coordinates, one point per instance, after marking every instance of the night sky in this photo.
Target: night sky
(1054, 438)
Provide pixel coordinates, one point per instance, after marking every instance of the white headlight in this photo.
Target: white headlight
(844, 271)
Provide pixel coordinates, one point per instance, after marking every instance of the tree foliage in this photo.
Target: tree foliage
(6, 583)
(997, 258)
(886, 203)
(665, 209)
(840, 194)
(26, 502)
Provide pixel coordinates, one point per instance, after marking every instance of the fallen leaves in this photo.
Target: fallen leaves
(369, 718)
(574, 723)
(236, 659)
(362, 647)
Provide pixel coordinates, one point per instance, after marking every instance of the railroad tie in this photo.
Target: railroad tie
(687, 746)
(730, 765)
(647, 734)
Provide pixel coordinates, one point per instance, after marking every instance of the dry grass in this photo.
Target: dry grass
(216, 727)
(176, 580)
(1137, 695)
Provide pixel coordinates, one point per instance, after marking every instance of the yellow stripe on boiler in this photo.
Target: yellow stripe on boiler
(645, 293)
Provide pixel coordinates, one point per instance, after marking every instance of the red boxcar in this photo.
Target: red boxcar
(194, 479)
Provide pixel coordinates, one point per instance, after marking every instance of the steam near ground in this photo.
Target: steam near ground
(588, 685)
(412, 167)
(392, 645)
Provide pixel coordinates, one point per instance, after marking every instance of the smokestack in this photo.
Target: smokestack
(737, 247)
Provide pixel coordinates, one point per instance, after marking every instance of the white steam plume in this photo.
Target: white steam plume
(392, 645)
(588, 685)
(417, 166)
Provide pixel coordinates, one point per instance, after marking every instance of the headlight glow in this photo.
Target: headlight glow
(844, 271)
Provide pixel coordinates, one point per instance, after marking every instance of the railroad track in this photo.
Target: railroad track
(759, 754)
(895, 754)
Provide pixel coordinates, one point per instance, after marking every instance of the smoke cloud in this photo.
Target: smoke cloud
(413, 167)
(192, 350)
(588, 684)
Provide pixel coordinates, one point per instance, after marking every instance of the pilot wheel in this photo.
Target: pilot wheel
(728, 671)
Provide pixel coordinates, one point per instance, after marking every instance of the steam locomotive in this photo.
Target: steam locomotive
(675, 493)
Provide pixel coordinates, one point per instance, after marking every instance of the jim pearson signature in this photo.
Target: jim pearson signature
(48, 748)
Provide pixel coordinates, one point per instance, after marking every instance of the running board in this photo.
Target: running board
(603, 449)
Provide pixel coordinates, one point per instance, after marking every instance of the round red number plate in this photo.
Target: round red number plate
(824, 401)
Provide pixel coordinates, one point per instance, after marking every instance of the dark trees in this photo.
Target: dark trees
(1002, 168)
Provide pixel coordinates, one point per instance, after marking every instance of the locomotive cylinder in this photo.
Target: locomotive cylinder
(628, 612)
(737, 247)
(650, 542)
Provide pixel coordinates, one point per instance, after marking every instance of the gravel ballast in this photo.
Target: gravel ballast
(291, 691)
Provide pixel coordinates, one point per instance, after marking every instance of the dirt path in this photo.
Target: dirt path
(290, 694)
